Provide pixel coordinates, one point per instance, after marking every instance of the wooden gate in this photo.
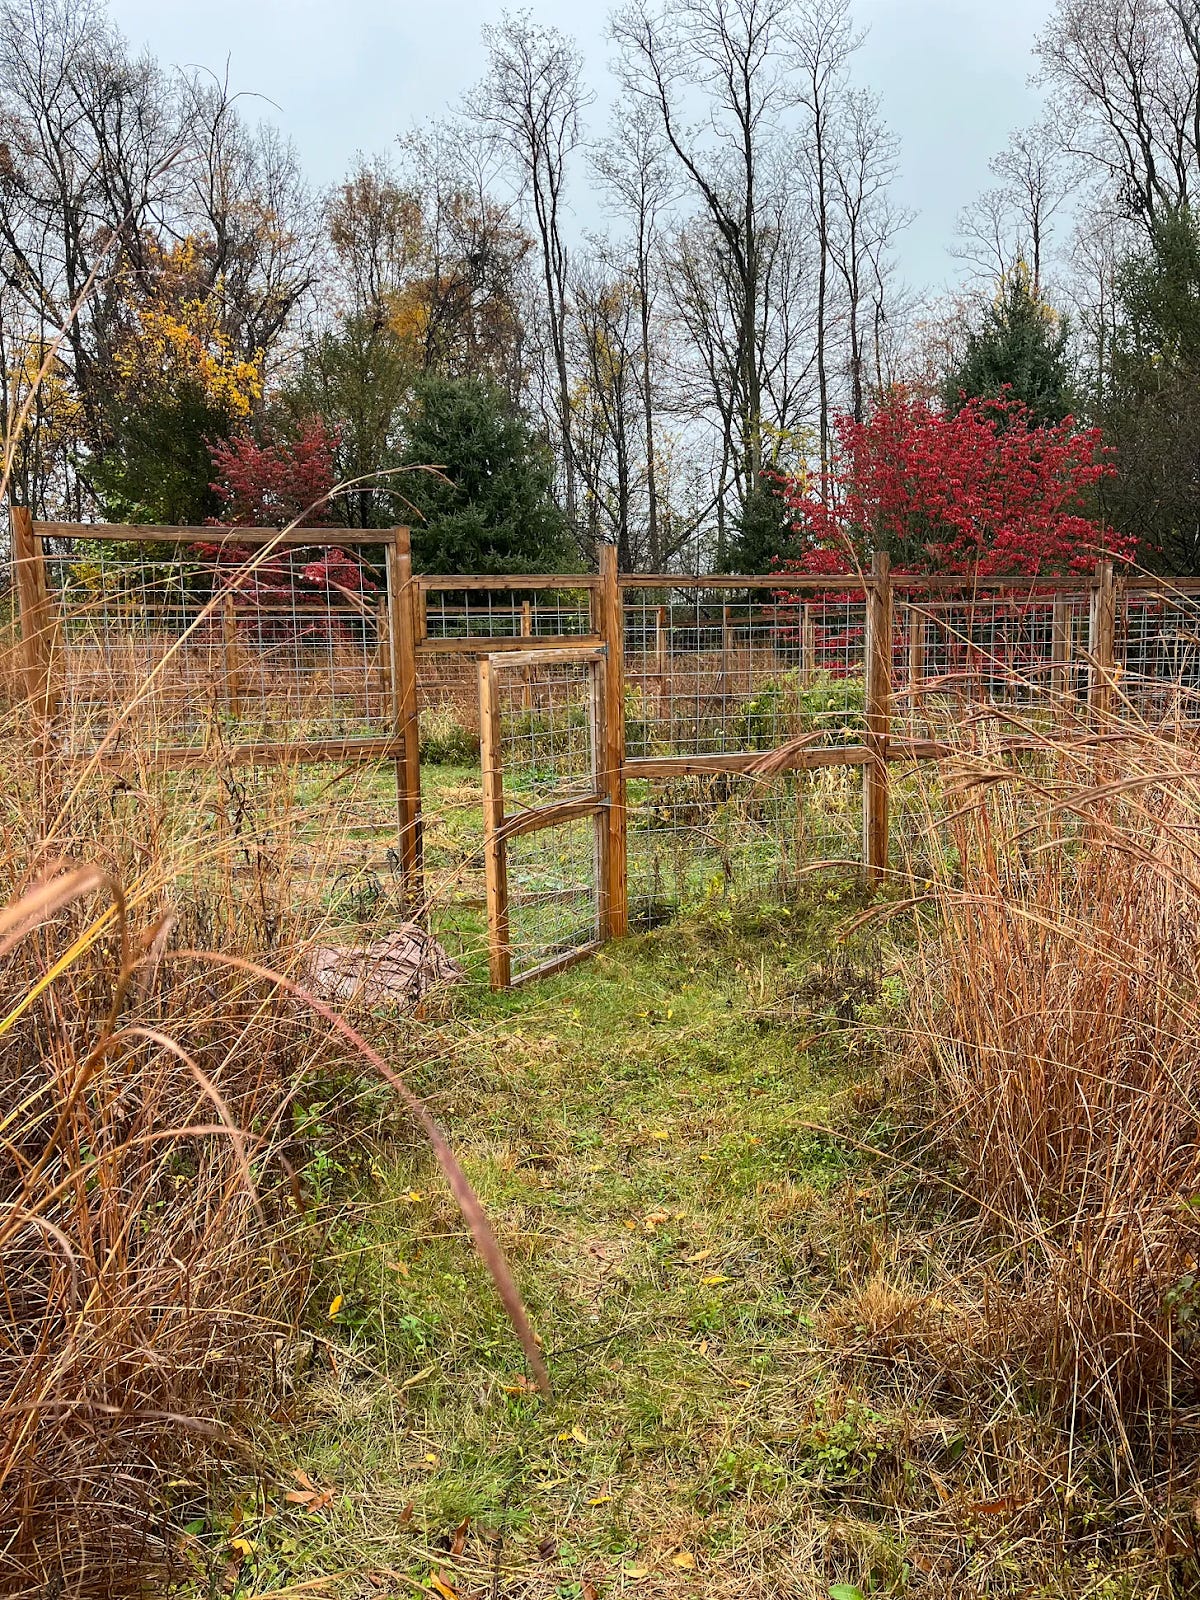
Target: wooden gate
(547, 808)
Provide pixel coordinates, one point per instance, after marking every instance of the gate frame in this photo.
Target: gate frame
(499, 828)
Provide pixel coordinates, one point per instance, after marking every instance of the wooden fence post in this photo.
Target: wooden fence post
(1102, 630)
(878, 706)
(495, 861)
(35, 613)
(609, 623)
(402, 653)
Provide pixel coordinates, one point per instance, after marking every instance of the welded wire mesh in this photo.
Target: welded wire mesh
(694, 841)
(1014, 650)
(1158, 651)
(554, 893)
(504, 613)
(546, 711)
(191, 644)
(718, 671)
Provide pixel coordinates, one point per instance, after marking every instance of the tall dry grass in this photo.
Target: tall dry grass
(159, 1232)
(1055, 998)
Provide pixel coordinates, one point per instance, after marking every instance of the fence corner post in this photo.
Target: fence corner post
(878, 716)
(402, 659)
(1102, 634)
(610, 625)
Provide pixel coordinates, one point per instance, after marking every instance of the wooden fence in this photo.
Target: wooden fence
(671, 672)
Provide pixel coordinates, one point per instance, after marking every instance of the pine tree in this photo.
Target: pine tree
(1018, 350)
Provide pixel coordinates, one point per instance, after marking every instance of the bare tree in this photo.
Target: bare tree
(863, 162)
(1013, 221)
(1127, 76)
(632, 166)
(530, 103)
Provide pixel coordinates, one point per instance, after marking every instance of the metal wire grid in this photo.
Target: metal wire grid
(693, 841)
(547, 718)
(553, 893)
(504, 614)
(1158, 650)
(185, 641)
(710, 671)
(1025, 650)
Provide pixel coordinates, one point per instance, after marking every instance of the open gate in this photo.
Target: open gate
(548, 813)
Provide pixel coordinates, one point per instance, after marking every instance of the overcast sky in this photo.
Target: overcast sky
(953, 76)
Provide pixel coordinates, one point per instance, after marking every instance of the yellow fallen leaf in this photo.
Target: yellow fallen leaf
(244, 1547)
(432, 1458)
(600, 1500)
(414, 1197)
(579, 1436)
(438, 1583)
(700, 1255)
(714, 1278)
(684, 1560)
(659, 1133)
(636, 1572)
(335, 1305)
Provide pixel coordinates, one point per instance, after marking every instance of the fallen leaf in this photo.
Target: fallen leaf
(600, 1500)
(684, 1560)
(406, 1515)
(714, 1278)
(398, 1266)
(700, 1255)
(548, 1548)
(659, 1133)
(579, 1436)
(440, 1584)
(335, 1305)
(589, 1591)
(414, 1197)
(243, 1547)
(636, 1572)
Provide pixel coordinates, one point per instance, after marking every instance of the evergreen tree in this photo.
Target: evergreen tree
(762, 532)
(1019, 349)
(492, 509)
(157, 466)
(1150, 406)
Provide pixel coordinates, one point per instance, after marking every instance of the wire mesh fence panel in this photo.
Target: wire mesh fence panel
(1158, 652)
(717, 671)
(1000, 649)
(694, 840)
(500, 613)
(541, 713)
(553, 894)
(186, 644)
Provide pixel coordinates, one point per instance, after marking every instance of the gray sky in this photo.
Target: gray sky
(952, 75)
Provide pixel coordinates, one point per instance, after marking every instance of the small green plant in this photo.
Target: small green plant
(444, 739)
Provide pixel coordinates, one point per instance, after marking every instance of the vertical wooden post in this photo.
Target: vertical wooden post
(402, 626)
(526, 675)
(660, 656)
(878, 672)
(1060, 652)
(495, 858)
(1102, 634)
(229, 643)
(35, 611)
(916, 663)
(608, 621)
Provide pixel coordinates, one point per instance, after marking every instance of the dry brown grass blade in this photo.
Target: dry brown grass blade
(464, 1194)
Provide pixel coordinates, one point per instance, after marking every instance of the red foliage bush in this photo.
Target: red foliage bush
(980, 493)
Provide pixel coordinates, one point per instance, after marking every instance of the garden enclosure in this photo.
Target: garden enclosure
(645, 740)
